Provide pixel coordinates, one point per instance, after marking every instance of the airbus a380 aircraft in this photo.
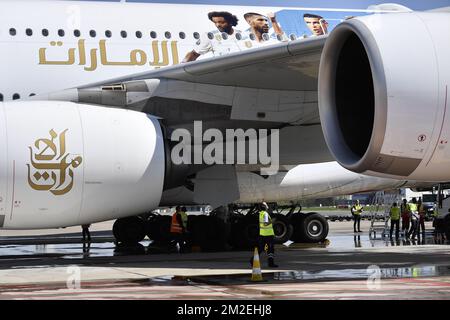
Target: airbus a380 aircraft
(100, 89)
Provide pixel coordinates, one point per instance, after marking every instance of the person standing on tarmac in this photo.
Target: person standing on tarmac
(404, 209)
(86, 233)
(177, 229)
(266, 235)
(184, 220)
(395, 220)
(414, 219)
(421, 210)
(357, 210)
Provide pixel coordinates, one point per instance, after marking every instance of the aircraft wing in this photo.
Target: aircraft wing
(276, 83)
(268, 87)
(289, 65)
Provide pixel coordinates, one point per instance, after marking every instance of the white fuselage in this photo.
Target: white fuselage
(47, 47)
(68, 61)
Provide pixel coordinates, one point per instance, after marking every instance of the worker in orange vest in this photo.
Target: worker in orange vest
(177, 229)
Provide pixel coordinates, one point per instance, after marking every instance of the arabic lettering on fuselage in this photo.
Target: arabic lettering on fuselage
(49, 169)
(157, 57)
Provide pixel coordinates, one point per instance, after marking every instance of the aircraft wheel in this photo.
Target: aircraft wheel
(129, 230)
(311, 227)
(283, 228)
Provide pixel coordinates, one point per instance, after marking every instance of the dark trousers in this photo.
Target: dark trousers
(395, 223)
(405, 225)
(86, 234)
(179, 238)
(357, 221)
(414, 228)
(422, 225)
(262, 242)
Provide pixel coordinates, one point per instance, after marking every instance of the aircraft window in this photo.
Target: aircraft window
(293, 37)
(196, 35)
(1, 97)
(92, 33)
(182, 35)
(76, 33)
(266, 37)
(224, 35)
(153, 35)
(138, 34)
(168, 35)
(45, 32)
(123, 34)
(32, 94)
(16, 96)
(210, 35)
(239, 36)
(29, 32)
(61, 33)
(12, 31)
(108, 33)
(252, 36)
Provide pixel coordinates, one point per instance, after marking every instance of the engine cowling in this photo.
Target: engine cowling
(383, 95)
(64, 164)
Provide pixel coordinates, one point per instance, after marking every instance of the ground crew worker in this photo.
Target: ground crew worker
(395, 220)
(404, 208)
(357, 210)
(177, 229)
(86, 233)
(421, 210)
(184, 220)
(414, 219)
(266, 235)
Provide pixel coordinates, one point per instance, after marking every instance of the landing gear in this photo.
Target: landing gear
(293, 225)
(235, 226)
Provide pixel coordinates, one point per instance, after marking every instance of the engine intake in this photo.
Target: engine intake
(383, 92)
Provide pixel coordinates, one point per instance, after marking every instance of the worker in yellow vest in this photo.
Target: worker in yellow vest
(414, 219)
(395, 220)
(177, 229)
(357, 210)
(421, 210)
(266, 235)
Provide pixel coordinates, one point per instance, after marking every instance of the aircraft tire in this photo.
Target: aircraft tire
(283, 228)
(158, 228)
(129, 230)
(309, 228)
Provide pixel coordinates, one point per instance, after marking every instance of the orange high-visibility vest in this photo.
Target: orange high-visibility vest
(175, 226)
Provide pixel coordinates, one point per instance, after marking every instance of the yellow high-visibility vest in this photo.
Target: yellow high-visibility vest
(358, 210)
(184, 219)
(263, 229)
(435, 212)
(395, 213)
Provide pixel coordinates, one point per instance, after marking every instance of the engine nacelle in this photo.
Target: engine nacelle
(383, 95)
(64, 164)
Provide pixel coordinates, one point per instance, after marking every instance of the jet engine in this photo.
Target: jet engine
(64, 164)
(383, 95)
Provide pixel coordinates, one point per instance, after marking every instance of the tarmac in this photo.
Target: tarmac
(54, 265)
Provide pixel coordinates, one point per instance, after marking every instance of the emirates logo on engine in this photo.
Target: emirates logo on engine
(52, 167)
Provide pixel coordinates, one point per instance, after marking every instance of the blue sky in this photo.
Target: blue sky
(356, 4)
